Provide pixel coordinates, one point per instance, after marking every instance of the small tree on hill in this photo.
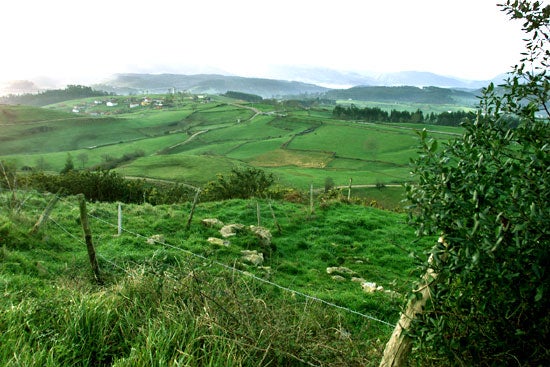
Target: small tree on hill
(69, 164)
(488, 194)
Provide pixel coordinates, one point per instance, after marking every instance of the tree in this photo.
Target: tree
(69, 164)
(487, 194)
(83, 158)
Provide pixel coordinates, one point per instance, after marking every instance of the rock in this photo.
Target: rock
(253, 257)
(231, 230)
(338, 278)
(369, 287)
(358, 280)
(340, 270)
(212, 223)
(218, 241)
(263, 234)
(156, 238)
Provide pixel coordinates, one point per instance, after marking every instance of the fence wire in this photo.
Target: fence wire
(220, 264)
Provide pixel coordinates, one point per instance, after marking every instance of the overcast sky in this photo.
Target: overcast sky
(84, 40)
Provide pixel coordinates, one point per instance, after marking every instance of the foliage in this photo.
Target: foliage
(241, 183)
(69, 164)
(243, 96)
(487, 193)
(376, 114)
(109, 186)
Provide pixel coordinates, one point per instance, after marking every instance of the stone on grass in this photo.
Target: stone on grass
(341, 270)
(338, 278)
(263, 234)
(156, 238)
(218, 241)
(369, 287)
(253, 257)
(231, 230)
(212, 223)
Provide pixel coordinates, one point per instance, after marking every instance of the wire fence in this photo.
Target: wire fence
(219, 264)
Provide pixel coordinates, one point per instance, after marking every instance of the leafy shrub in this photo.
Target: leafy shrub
(488, 193)
(241, 183)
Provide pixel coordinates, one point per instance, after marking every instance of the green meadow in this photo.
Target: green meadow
(196, 140)
(170, 296)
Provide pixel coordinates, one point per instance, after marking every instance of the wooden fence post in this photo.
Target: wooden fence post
(279, 229)
(45, 214)
(311, 199)
(119, 219)
(88, 238)
(349, 188)
(258, 215)
(399, 346)
(193, 209)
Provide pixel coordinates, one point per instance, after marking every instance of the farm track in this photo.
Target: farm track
(181, 143)
(407, 128)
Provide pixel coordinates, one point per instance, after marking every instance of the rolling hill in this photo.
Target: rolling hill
(206, 83)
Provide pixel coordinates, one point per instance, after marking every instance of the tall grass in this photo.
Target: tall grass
(161, 306)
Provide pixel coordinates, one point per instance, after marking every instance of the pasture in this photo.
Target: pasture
(197, 139)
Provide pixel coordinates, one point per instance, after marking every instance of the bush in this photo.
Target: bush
(487, 193)
(241, 183)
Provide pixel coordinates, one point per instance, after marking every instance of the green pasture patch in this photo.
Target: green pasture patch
(224, 114)
(351, 141)
(179, 167)
(255, 129)
(248, 150)
(23, 114)
(288, 157)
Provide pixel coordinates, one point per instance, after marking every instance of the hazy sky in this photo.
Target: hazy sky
(84, 40)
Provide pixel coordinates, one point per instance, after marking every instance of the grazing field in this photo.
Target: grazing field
(194, 140)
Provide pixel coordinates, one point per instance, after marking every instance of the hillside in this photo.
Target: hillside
(206, 83)
(193, 297)
(299, 146)
(407, 94)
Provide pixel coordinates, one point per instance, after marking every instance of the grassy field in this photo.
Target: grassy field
(182, 300)
(197, 139)
(179, 298)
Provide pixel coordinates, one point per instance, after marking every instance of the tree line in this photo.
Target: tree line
(376, 114)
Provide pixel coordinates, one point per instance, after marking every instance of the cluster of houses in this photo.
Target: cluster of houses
(130, 102)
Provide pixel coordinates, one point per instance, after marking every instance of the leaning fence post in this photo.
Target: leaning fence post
(45, 214)
(399, 346)
(193, 209)
(88, 238)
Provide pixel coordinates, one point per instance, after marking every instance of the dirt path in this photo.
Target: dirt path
(183, 142)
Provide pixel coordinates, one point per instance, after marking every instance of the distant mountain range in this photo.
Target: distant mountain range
(344, 79)
(285, 82)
